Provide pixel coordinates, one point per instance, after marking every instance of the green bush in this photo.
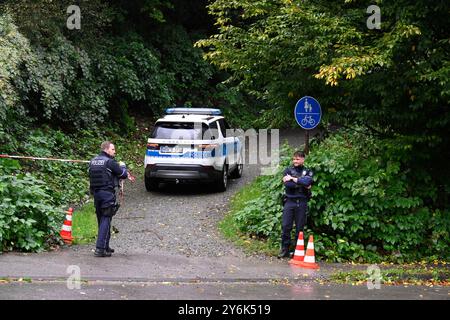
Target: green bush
(70, 85)
(67, 180)
(364, 205)
(29, 221)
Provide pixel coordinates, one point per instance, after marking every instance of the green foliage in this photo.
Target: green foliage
(394, 80)
(83, 79)
(277, 51)
(190, 72)
(414, 274)
(363, 208)
(72, 79)
(14, 49)
(72, 87)
(235, 107)
(259, 213)
(130, 70)
(68, 181)
(29, 220)
(249, 218)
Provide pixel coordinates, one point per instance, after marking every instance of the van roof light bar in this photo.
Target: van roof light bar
(201, 111)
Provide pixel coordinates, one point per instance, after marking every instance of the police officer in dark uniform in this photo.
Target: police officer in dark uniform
(297, 181)
(104, 175)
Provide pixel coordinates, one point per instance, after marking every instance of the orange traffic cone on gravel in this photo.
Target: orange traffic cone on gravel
(66, 231)
(299, 253)
(309, 261)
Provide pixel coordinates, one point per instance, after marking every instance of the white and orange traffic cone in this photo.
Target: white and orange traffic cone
(66, 231)
(309, 261)
(299, 253)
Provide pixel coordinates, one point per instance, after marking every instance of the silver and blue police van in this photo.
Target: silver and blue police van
(193, 145)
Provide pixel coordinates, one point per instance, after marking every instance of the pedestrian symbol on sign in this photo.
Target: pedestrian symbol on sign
(308, 113)
(308, 107)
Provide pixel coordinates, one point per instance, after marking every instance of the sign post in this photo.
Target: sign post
(308, 114)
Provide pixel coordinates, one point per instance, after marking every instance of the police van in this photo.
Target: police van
(192, 145)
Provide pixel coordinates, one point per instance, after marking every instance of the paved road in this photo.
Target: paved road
(168, 247)
(242, 289)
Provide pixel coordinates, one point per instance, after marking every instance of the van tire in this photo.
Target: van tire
(222, 179)
(151, 184)
(237, 172)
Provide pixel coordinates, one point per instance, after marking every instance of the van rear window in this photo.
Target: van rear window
(182, 131)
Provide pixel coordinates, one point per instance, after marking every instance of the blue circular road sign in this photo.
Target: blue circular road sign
(308, 113)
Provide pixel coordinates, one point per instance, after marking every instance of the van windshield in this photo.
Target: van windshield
(182, 131)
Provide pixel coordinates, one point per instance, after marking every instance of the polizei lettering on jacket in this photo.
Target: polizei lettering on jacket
(98, 162)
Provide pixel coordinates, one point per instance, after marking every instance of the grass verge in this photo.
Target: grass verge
(413, 274)
(230, 230)
(84, 224)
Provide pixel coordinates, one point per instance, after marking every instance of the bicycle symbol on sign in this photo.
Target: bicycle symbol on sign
(308, 120)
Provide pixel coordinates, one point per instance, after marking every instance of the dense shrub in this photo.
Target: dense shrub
(70, 85)
(29, 220)
(365, 206)
(67, 180)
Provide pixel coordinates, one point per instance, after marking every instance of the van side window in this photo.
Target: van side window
(214, 130)
(223, 127)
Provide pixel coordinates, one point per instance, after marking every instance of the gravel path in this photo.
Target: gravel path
(178, 219)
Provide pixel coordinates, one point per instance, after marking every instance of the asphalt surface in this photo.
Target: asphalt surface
(217, 290)
(168, 247)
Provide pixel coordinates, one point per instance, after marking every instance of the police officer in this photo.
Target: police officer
(104, 175)
(297, 181)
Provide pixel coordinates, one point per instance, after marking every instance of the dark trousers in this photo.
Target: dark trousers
(294, 210)
(104, 226)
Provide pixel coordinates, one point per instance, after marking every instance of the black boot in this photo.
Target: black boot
(111, 250)
(102, 253)
(284, 253)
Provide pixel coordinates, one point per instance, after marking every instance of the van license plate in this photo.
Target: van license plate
(169, 149)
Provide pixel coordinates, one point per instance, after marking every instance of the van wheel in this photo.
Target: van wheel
(222, 180)
(151, 184)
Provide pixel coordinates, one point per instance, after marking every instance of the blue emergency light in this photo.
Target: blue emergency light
(202, 111)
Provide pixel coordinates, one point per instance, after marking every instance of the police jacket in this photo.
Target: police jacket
(304, 179)
(104, 173)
